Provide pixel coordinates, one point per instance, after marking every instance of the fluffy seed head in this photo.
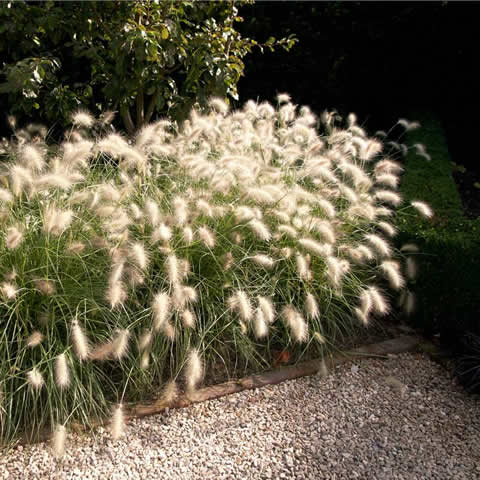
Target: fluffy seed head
(58, 441)
(62, 374)
(47, 287)
(193, 370)
(379, 302)
(206, 236)
(145, 340)
(392, 270)
(139, 255)
(117, 423)
(14, 237)
(81, 118)
(379, 244)
(411, 268)
(35, 379)
(423, 208)
(34, 339)
(264, 261)
(120, 344)
(267, 308)
(295, 322)
(188, 319)
(8, 291)
(260, 325)
(311, 306)
(240, 303)
(171, 264)
(260, 230)
(80, 342)
(161, 310)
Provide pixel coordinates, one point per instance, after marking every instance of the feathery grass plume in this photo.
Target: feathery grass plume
(311, 306)
(408, 125)
(281, 215)
(82, 118)
(47, 287)
(5, 196)
(267, 308)
(302, 267)
(102, 352)
(423, 208)
(21, 178)
(387, 228)
(169, 393)
(206, 236)
(193, 370)
(387, 179)
(120, 344)
(313, 246)
(382, 212)
(80, 342)
(153, 212)
(161, 310)
(380, 304)
(204, 207)
(75, 248)
(288, 230)
(171, 264)
(422, 152)
(56, 221)
(366, 302)
(260, 326)
(240, 303)
(319, 338)
(117, 423)
(8, 291)
(34, 339)
(334, 270)
(362, 316)
(389, 197)
(380, 245)
(325, 229)
(116, 294)
(35, 379)
(181, 211)
(188, 319)
(145, 360)
(283, 98)
(145, 340)
(392, 271)
(263, 260)
(139, 256)
(295, 322)
(259, 229)
(237, 238)
(62, 374)
(228, 261)
(32, 158)
(161, 233)
(409, 247)
(58, 441)
(187, 233)
(411, 268)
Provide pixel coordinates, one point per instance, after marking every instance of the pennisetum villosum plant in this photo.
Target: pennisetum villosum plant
(128, 265)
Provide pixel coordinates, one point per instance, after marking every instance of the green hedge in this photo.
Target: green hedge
(447, 287)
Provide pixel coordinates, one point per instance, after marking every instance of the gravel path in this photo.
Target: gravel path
(400, 418)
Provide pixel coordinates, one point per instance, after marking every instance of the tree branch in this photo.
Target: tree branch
(127, 119)
(151, 105)
(140, 111)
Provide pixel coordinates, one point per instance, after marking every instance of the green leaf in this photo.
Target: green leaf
(164, 33)
(477, 185)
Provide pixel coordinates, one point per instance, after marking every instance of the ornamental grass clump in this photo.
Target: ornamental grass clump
(132, 266)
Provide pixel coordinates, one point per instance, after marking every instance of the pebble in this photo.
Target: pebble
(353, 424)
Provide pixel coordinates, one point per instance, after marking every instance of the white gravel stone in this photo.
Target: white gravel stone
(357, 423)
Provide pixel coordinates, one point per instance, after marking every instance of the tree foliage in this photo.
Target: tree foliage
(142, 58)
